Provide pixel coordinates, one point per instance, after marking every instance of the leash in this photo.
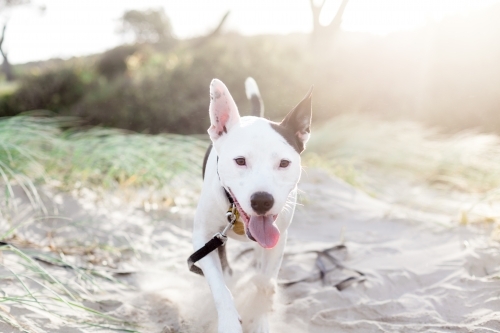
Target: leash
(218, 240)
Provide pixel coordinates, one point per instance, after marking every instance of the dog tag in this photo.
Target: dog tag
(239, 228)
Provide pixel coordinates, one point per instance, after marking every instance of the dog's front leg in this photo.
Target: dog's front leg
(269, 262)
(228, 318)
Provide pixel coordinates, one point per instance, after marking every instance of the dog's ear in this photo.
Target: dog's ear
(223, 110)
(298, 121)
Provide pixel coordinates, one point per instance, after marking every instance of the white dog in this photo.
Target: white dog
(255, 165)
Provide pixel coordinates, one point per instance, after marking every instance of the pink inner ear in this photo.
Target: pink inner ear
(302, 135)
(223, 111)
(223, 118)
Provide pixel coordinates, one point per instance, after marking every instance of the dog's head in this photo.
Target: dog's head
(259, 160)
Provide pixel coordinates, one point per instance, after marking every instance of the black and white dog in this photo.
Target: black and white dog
(258, 163)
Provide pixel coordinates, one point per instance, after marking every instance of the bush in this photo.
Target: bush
(168, 92)
(55, 90)
(423, 75)
(114, 62)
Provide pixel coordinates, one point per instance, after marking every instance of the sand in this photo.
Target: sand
(423, 270)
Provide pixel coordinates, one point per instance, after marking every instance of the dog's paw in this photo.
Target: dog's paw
(265, 285)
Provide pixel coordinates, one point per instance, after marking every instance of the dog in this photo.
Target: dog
(256, 164)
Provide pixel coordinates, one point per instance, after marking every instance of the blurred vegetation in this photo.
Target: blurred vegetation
(52, 90)
(34, 150)
(446, 74)
(141, 88)
(149, 26)
(113, 63)
(351, 145)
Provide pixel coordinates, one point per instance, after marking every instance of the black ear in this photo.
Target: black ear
(297, 123)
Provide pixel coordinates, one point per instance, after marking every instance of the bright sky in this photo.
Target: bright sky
(77, 27)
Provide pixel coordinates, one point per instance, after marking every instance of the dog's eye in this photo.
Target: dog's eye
(284, 163)
(240, 161)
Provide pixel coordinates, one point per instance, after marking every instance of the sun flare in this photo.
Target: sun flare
(385, 16)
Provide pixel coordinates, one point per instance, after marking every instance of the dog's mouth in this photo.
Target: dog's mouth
(259, 228)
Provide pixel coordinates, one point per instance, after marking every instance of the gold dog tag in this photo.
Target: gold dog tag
(238, 226)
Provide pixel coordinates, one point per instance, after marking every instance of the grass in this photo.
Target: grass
(411, 165)
(355, 145)
(105, 157)
(25, 143)
(43, 292)
(35, 152)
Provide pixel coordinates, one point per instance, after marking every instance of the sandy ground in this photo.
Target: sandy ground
(424, 272)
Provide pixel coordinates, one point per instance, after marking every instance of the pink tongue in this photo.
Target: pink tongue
(264, 231)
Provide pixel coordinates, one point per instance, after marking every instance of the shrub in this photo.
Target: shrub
(168, 92)
(54, 90)
(114, 62)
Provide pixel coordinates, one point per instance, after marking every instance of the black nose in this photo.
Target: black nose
(261, 202)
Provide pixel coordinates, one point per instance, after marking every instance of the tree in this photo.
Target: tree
(6, 66)
(148, 26)
(215, 32)
(324, 35)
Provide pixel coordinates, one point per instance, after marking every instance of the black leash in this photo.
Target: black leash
(210, 246)
(219, 238)
(217, 241)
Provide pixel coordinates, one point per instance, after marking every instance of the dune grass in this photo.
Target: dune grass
(34, 150)
(25, 143)
(58, 299)
(353, 145)
(459, 173)
(110, 157)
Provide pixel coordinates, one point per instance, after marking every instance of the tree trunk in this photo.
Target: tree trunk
(202, 40)
(323, 36)
(6, 66)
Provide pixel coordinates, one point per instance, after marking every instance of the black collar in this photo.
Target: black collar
(226, 192)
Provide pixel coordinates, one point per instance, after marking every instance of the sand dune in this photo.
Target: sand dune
(423, 272)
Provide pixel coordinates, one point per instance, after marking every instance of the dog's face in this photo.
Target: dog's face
(258, 160)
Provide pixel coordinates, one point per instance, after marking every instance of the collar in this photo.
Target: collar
(226, 192)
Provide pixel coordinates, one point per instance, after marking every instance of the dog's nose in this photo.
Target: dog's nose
(261, 202)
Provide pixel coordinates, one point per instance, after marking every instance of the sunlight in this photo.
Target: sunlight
(88, 30)
(386, 16)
